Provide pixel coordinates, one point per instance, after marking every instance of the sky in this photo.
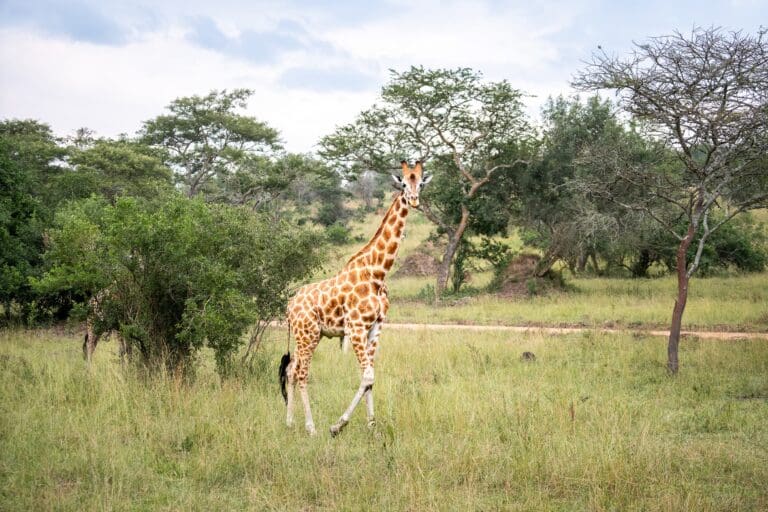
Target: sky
(313, 65)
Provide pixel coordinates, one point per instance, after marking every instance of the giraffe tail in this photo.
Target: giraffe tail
(283, 372)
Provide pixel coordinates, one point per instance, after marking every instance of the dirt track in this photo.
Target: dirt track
(721, 335)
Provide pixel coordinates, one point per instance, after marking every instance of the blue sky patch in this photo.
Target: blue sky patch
(78, 21)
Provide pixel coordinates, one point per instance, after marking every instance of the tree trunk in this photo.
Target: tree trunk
(454, 239)
(595, 264)
(581, 264)
(640, 268)
(682, 297)
(544, 265)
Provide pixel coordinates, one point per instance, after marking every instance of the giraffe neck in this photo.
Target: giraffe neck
(378, 255)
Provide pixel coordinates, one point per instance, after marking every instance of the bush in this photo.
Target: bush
(337, 234)
(427, 294)
(739, 244)
(499, 255)
(180, 273)
(331, 212)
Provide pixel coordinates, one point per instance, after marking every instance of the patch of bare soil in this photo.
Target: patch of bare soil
(422, 263)
(417, 264)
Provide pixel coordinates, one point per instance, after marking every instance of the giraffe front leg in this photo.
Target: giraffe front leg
(345, 344)
(366, 385)
(371, 349)
(358, 339)
(369, 408)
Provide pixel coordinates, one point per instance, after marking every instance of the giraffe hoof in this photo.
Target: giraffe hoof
(371, 424)
(336, 429)
(311, 430)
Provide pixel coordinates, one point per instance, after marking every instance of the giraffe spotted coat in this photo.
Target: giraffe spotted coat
(353, 304)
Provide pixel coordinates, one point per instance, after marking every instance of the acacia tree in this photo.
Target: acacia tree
(369, 187)
(569, 222)
(704, 96)
(207, 139)
(113, 168)
(470, 131)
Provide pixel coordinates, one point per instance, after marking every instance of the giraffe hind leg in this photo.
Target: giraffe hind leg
(308, 421)
(298, 374)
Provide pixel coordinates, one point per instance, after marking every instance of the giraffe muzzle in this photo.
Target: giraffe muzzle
(414, 203)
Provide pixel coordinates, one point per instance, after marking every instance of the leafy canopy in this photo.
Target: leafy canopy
(207, 140)
(181, 273)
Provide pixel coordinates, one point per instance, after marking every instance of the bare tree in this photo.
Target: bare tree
(703, 97)
(369, 187)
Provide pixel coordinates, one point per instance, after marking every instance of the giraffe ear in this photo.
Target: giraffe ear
(426, 179)
(399, 183)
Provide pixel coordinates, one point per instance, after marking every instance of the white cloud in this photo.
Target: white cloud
(455, 34)
(112, 89)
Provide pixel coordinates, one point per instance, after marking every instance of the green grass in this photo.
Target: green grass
(728, 303)
(463, 424)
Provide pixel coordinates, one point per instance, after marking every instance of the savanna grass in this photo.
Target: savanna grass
(463, 424)
(723, 303)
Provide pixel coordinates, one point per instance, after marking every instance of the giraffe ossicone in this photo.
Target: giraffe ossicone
(351, 305)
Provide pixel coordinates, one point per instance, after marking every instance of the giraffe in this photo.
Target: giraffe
(351, 305)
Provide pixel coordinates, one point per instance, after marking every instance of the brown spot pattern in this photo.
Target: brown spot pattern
(354, 299)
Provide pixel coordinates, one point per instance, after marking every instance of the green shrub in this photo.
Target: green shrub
(337, 234)
(739, 244)
(180, 274)
(427, 294)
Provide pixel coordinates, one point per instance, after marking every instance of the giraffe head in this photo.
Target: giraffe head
(411, 183)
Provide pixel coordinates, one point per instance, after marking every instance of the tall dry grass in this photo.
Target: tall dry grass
(463, 424)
